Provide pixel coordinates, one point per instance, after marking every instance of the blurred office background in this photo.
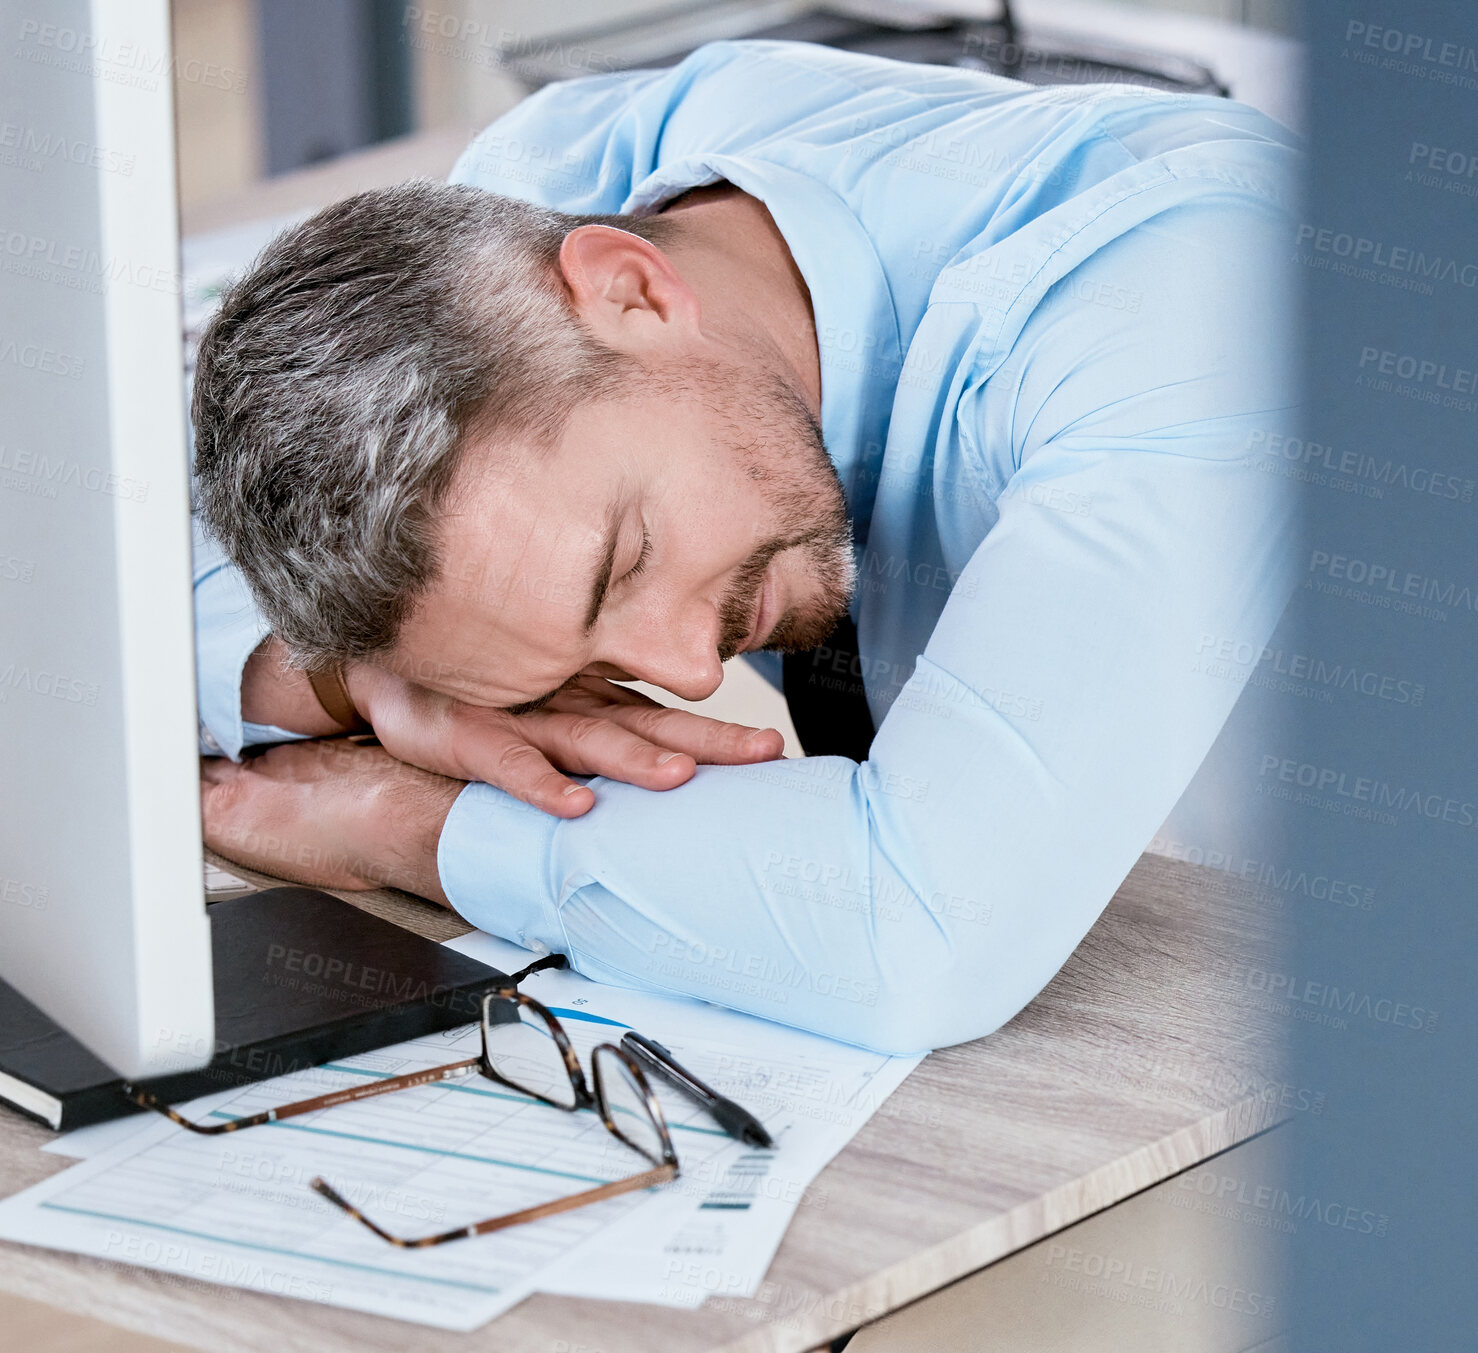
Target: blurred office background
(270, 86)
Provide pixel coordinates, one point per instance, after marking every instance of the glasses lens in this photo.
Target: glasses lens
(625, 1104)
(524, 1053)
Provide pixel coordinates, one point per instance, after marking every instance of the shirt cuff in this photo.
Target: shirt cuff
(493, 858)
(254, 733)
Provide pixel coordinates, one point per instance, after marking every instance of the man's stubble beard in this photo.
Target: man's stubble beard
(778, 442)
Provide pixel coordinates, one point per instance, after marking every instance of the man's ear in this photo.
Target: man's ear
(625, 289)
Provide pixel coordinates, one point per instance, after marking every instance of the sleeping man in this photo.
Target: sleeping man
(932, 393)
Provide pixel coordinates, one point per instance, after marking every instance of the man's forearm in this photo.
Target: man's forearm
(230, 636)
(276, 694)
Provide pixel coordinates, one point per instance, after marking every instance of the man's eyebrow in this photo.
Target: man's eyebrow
(601, 583)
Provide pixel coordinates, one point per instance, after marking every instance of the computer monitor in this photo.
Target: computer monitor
(102, 916)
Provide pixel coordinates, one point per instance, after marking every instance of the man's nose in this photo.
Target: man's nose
(679, 655)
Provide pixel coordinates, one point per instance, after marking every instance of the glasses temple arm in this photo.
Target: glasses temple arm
(451, 1071)
(538, 965)
(647, 1179)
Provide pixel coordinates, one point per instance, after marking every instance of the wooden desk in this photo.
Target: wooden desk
(1147, 1054)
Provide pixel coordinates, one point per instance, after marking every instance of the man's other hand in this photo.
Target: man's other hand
(591, 727)
(331, 814)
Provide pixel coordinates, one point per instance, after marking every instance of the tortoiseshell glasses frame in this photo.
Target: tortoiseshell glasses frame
(500, 1006)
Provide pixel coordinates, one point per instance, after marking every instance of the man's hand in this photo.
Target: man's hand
(331, 814)
(592, 727)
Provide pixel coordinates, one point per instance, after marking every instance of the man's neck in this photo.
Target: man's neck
(734, 256)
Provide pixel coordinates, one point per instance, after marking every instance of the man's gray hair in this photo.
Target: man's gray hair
(337, 379)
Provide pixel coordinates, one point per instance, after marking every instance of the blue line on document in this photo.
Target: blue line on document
(586, 1016)
(428, 1150)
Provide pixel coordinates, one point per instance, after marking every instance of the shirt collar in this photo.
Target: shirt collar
(856, 325)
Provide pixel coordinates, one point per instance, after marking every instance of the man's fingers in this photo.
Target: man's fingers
(521, 755)
(517, 766)
(215, 770)
(330, 814)
(212, 794)
(226, 823)
(707, 741)
(593, 727)
(598, 745)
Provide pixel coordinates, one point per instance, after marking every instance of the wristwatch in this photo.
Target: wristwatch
(328, 685)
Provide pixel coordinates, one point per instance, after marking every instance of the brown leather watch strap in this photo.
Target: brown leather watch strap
(333, 695)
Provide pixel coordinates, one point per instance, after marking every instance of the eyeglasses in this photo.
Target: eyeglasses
(525, 1048)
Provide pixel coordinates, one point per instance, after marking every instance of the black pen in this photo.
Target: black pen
(735, 1120)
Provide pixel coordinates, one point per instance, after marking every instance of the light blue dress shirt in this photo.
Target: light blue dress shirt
(1054, 325)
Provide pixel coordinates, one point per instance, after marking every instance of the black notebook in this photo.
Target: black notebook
(301, 978)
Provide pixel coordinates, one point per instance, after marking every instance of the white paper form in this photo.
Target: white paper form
(237, 1208)
(714, 1231)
